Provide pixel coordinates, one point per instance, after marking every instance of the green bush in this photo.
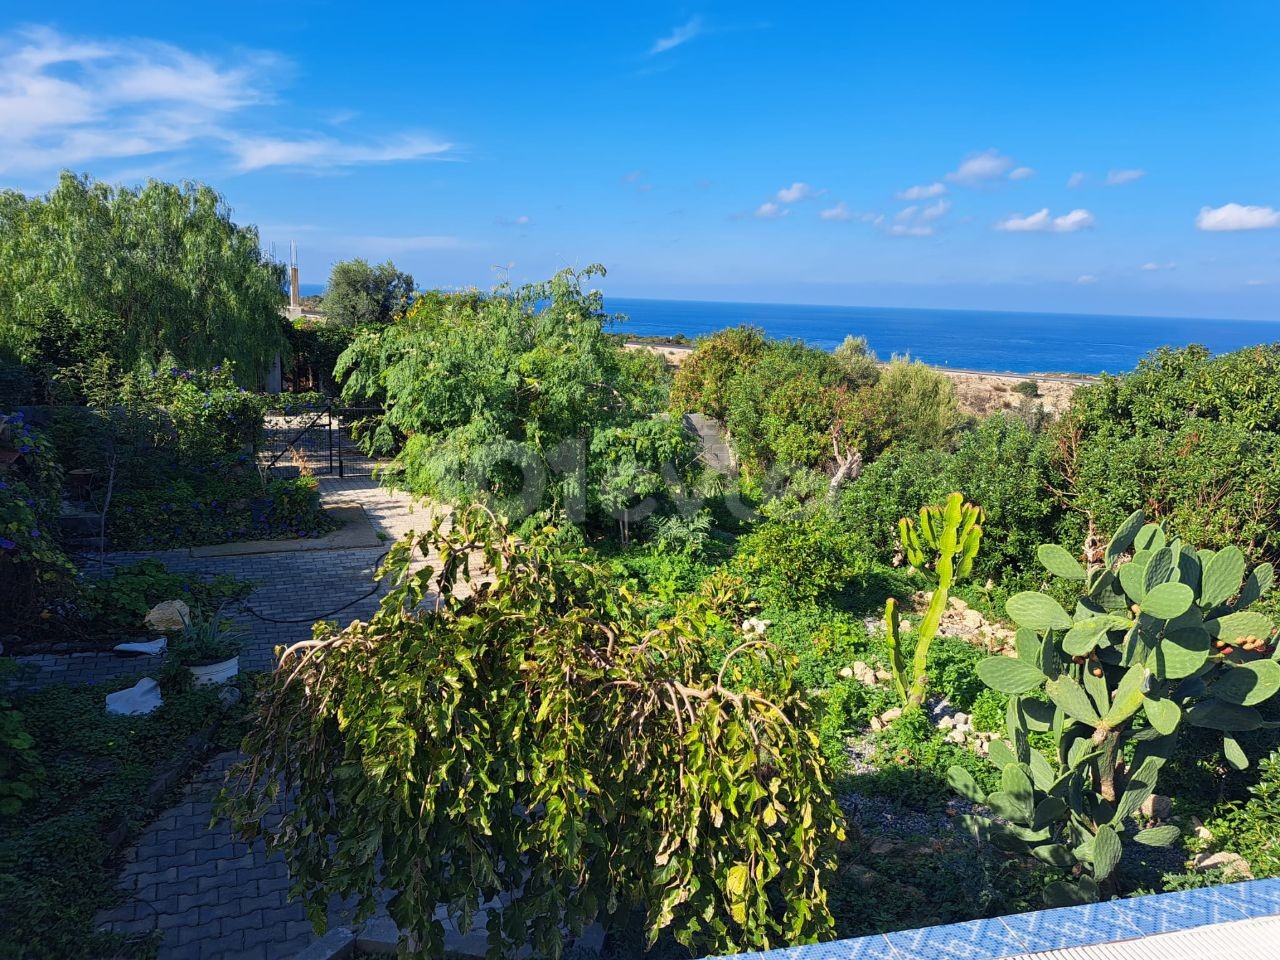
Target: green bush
(798, 562)
(117, 605)
(33, 568)
(846, 709)
(1251, 828)
(55, 868)
(820, 640)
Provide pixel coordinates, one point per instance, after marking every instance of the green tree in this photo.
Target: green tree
(498, 396)
(136, 275)
(702, 382)
(360, 293)
(538, 742)
(920, 403)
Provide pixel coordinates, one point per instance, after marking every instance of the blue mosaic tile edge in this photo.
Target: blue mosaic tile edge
(1055, 929)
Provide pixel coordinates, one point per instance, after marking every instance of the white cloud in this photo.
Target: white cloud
(935, 210)
(678, 36)
(841, 212)
(1042, 221)
(911, 230)
(770, 211)
(66, 102)
(1077, 179)
(906, 213)
(797, 192)
(980, 167)
(258, 153)
(1116, 178)
(1233, 216)
(1151, 266)
(922, 192)
(1257, 283)
(1021, 173)
(1086, 279)
(520, 221)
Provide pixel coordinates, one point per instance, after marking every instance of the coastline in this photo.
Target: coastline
(979, 392)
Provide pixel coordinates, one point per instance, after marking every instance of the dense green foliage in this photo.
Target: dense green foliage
(117, 604)
(134, 276)
(1251, 828)
(1187, 437)
(1159, 642)
(581, 763)
(314, 347)
(33, 566)
(521, 399)
(56, 869)
(359, 293)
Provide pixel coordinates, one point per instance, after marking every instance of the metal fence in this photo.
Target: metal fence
(320, 441)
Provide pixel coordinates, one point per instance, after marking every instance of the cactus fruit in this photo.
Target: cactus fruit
(946, 539)
(1157, 642)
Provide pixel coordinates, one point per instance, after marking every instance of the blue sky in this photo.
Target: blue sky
(1086, 157)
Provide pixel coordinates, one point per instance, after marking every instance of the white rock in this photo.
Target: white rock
(1232, 865)
(877, 723)
(891, 715)
(171, 616)
(957, 604)
(150, 647)
(846, 672)
(961, 718)
(142, 697)
(946, 723)
(955, 736)
(1156, 807)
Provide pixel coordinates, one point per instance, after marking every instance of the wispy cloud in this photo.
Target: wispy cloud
(985, 167)
(1077, 179)
(1116, 178)
(1086, 279)
(841, 213)
(1234, 216)
(1041, 221)
(797, 192)
(520, 221)
(1151, 266)
(922, 192)
(771, 211)
(66, 102)
(680, 35)
(257, 153)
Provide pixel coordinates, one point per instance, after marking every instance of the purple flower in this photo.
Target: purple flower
(7, 544)
(25, 448)
(35, 534)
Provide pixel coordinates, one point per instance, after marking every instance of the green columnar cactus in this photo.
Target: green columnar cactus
(1157, 641)
(946, 538)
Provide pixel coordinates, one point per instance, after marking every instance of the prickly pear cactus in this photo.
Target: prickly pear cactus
(946, 539)
(1161, 637)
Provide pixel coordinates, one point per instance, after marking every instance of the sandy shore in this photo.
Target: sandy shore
(979, 392)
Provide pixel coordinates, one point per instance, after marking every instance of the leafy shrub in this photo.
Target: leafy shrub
(1186, 437)
(1028, 388)
(55, 870)
(1252, 828)
(117, 605)
(797, 562)
(998, 464)
(920, 402)
(33, 567)
(820, 641)
(846, 709)
(987, 711)
(216, 509)
(702, 383)
(540, 730)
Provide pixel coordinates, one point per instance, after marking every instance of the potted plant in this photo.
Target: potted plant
(210, 649)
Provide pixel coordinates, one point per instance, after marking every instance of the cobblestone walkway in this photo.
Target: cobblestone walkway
(211, 896)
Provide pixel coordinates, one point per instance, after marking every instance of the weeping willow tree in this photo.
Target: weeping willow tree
(136, 275)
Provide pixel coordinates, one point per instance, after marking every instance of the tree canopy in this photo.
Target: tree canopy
(507, 396)
(360, 293)
(136, 275)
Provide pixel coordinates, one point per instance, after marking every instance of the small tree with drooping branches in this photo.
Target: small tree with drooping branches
(508, 725)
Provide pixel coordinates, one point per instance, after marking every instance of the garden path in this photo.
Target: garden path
(209, 895)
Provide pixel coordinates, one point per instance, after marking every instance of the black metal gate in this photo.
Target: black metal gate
(318, 441)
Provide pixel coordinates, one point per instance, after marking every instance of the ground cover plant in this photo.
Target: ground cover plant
(86, 773)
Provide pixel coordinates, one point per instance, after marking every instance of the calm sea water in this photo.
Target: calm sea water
(1014, 342)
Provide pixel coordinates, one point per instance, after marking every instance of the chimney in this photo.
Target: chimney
(295, 295)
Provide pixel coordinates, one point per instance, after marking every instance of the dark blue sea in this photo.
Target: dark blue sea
(966, 339)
